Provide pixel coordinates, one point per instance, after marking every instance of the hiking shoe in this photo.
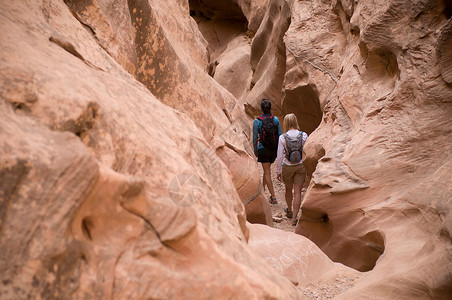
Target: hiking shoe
(288, 213)
(294, 222)
(272, 200)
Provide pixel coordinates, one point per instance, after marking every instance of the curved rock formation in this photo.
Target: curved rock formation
(126, 168)
(383, 148)
(268, 59)
(445, 52)
(161, 45)
(105, 191)
(314, 61)
(295, 257)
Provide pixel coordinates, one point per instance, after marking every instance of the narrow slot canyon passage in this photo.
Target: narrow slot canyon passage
(230, 60)
(223, 26)
(127, 160)
(230, 52)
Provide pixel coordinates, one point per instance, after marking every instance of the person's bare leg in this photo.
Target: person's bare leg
(268, 178)
(297, 200)
(264, 182)
(289, 196)
(298, 187)
(306, 182)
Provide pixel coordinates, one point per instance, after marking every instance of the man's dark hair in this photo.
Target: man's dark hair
(266, 106)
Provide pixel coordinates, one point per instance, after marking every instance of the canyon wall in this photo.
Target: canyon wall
(126, 167)
(118, 159)
(161, 45)
(370, 82)
(381, 159)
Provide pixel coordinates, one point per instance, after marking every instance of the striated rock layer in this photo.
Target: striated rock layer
(381, 159)
(161, 45)
(126, 169)
(105, 192)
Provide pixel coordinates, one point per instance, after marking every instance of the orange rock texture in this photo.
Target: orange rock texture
(381, 159)
(126, 163)
(106, 192)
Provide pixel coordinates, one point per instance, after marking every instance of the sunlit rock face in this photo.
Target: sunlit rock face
(174, 56)
(315, 46)
(268, 58)
(127, 172)
(381, 157)
(105, 191)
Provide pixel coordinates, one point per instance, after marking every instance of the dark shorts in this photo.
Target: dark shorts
(266, 156)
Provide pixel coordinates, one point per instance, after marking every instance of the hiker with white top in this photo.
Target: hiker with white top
(289, 167)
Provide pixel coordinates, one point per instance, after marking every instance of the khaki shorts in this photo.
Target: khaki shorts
(293, 174)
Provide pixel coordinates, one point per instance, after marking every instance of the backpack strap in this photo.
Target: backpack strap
(259, 131)
(286, 147)
(262, 117)
(301, 139)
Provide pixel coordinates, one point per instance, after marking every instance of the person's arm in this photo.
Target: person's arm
(279, 127)
(280, 154)
(255, 135)
(304, 137)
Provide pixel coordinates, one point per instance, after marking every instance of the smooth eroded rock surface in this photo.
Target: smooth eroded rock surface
(126, 163)
(295, 256)
(383, 147)
(105, 191)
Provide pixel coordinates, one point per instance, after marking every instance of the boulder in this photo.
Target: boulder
(295, 257)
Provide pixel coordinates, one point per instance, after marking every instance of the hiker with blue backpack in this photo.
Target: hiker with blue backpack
(289, 167)
(266, 132)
